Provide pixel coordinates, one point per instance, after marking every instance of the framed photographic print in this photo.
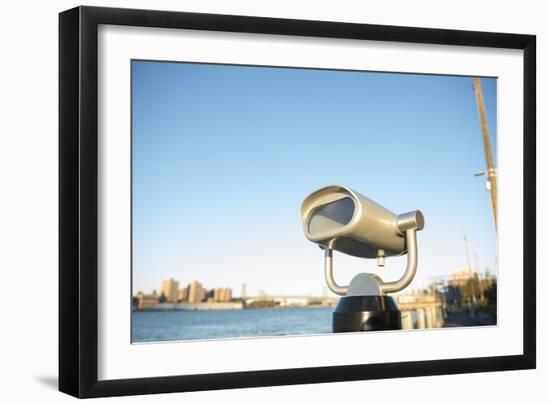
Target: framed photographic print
(307, 201)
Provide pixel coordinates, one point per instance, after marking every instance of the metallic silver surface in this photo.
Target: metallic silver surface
(329, 277)
(338, 218)
(381, 259)
(410, 220)
(352, 223)
(365, 285)
(412, 263)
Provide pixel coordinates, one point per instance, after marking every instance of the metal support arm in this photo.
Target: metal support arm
(385, 287)
(412, 263)
(329, 277)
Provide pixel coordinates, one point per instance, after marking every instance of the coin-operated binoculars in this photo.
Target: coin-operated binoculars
(338, 218)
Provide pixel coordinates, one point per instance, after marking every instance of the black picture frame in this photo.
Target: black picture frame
(78, 201)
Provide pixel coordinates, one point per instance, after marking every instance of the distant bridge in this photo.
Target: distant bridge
(293, 300)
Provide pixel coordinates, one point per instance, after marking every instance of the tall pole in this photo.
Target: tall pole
(490, 171)
(466, 244)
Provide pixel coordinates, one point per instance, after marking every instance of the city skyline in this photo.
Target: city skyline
(252, 141)
(446, 278)
(172, 291)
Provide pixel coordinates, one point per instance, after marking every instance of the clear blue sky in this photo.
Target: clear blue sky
(224, 155)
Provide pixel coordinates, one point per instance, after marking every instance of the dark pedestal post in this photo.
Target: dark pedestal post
(366, 313)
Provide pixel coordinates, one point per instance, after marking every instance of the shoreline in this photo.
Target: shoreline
(157, 309)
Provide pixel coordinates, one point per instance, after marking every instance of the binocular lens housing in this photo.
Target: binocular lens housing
(344, 220)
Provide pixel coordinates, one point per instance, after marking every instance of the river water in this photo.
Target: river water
(150, 326)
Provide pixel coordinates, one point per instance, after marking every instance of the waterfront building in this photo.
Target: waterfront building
(216, 295)
(145, 302)
(225, 295)
(183, 294)
(222, 295)
(196, 292)
(421, 311)
(469, 283)
(460, 277)
(170, 290)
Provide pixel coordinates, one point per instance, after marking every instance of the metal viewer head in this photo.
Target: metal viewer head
(338, 218)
